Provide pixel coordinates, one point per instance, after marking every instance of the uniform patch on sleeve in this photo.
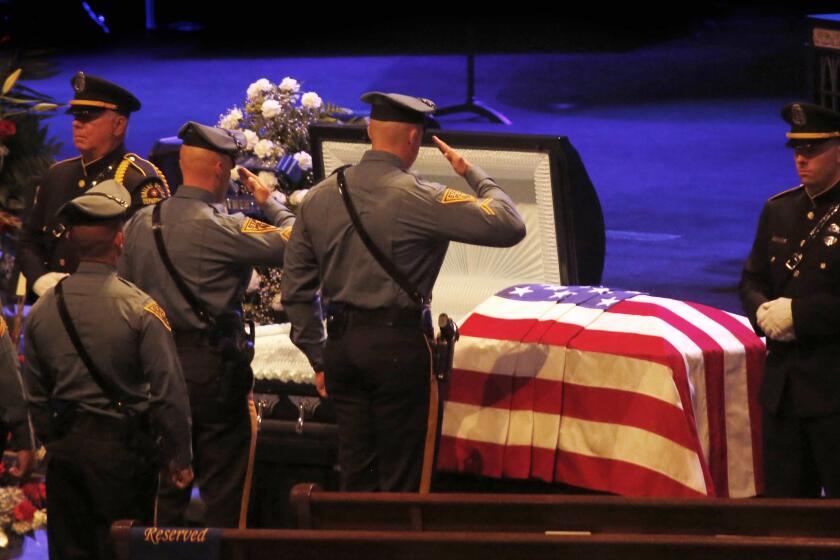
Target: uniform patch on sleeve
(486, 208)
(3, 326)
(153, 193)
(451, 196)
(252, 226)
(286, 233)
(158, 312)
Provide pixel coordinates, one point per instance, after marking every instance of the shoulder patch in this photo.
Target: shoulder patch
(156, 310)
(286, 233)
(3, 326)
(788, 191)
(452, 196)
(252, 226)
(153, 191)
(144, 167)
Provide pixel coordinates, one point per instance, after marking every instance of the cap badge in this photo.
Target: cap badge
(428, 102)
(797, 115)
(79, 82)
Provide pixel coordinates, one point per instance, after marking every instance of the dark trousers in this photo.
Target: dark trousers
(378, 378)
(221, 434)
(92, 482)
(801, 456)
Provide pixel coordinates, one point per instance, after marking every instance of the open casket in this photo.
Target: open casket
(564, 245)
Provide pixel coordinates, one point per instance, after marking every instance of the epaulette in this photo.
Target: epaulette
(788, 191)
(68, 160)
(144, 167)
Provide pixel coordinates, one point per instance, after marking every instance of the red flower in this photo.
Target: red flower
(35, 491)
(7, 128)
(24, 511)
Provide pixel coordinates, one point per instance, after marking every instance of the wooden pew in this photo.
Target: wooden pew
(269, 544)
(518, 513)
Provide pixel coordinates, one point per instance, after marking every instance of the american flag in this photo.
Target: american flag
(614, 391)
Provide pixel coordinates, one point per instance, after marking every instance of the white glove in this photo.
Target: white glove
(776, 319)
(47, 281)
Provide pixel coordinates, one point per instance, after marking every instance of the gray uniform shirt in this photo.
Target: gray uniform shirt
(128, 338)
(12, 403)
(213, 251)
(410, 220)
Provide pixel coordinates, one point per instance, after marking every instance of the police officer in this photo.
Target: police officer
(790, 289)
(213, 252)
(102, 382)
(100, 112)
(14, 417)
(376, 360)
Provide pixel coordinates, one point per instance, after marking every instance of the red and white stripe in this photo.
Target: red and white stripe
(650, 397)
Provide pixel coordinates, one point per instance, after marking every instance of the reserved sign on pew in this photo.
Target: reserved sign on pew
(176, 543)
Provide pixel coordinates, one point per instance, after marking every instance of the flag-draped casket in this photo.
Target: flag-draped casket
(613, 391)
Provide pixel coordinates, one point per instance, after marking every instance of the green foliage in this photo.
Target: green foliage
(26, 150)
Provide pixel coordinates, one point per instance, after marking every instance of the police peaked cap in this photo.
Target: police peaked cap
(397, 107)
(94, 94)
(228, 142)
(810, 124)
(105, 201)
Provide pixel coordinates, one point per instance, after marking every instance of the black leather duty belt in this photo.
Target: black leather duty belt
(382, 317)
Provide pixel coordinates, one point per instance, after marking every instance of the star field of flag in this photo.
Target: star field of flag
(610, 390)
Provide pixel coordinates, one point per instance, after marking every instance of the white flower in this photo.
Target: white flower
(234, 173)
(304, 161)
(271, 108)
(311, 100)
(297, 197)
(279, 197)
(268, 179)
(257, 89)
(251, 138)
(289, 85)
(264, 148)
(231, 120)
(4, 540)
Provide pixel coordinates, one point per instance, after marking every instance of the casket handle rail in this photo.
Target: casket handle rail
(306, 409)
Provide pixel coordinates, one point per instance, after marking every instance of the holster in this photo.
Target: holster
(62, 414)
(235, 346)
(143, 438)
(443, 347)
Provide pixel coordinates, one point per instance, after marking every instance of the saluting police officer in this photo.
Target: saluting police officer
(100, 112)
(103, 383)
(375, 358)
(790, 289)
(213, 252)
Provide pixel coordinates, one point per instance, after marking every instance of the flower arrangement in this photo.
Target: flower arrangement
(22, 510)
(275, 120)
(25, 150)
